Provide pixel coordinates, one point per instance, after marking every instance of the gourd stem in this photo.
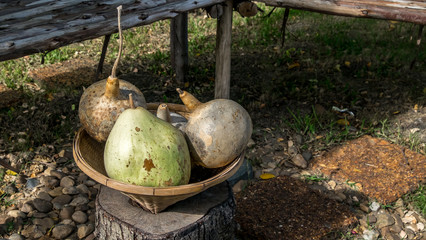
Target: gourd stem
(188, 99)
(113, 84)
(120, 49)
(163, 112)
(131, 103)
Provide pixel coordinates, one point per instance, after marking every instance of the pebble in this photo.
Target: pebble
(79, 217)
(42, 205)
(374, 206)
(66, 212)
(17, 214)
(16, 236)
(307, 155)
(67, 182)
(27, 207)
(61, 231)
(45, 196)
(32, 183)
(56, 192)
(85, 230)
(384, 219)
(299, 161)
(80, 200)
(62, 199)
(44, 223)
(70, 190)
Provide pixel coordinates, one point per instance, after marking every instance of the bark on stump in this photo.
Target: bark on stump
(208, 215)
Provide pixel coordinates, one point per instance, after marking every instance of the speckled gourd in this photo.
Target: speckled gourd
(217, 131)
(148, 151)
(102, 102)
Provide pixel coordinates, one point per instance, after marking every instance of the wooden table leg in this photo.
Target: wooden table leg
(223, 52)
(179, 46)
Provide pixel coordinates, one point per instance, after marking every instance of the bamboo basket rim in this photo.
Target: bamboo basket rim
(191, 188)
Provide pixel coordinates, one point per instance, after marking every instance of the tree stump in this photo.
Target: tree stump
(208, 215)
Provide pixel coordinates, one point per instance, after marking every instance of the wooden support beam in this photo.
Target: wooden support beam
(400, 10)
(223, 52)
(179, 46)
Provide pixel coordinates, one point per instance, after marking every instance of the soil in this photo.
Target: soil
(46, 117)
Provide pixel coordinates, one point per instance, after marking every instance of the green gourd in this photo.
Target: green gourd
(145, 150)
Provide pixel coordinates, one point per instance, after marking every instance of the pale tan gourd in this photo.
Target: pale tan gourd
(217, 131)
(102, 102)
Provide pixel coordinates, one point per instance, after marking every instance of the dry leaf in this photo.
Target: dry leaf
(280, 139)
(343, 122)
(10, 172)
(267, 176)
(293, 65)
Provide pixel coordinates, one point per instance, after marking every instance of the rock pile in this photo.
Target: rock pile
(53, 199)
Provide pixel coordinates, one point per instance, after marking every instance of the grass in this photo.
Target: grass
(418, 199)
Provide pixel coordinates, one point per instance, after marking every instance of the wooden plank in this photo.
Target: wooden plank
(76, 23)
(223, 52)
(400, 10)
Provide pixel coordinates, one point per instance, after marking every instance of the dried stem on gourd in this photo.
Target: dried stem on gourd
(188, 99)
(113, 84)
(163, 112)
(131, 103)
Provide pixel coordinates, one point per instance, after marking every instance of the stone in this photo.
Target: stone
(57, 191)
(80, 200)
(62, 199)
(82, 188)
(57, 174)
(32, 232)
(70, 190)
(16, 236)
(420, 226)
(82, 178)
(299, 161)
(44, 223)
(79, 217)
(307, 155)
(384, 219)
(412, 227)
(16, 214)
(370, 235)
(61, 231)
(49, 181)
(364, 208)
(90, 237)
(90, 183)
(45, 196)
(409, 219)
(67, 182)
(66, 212)
(84, 230)
(27, 207)
(374, 206)
(42, 205)
(332, 184)
(239, 186)
(292, 150)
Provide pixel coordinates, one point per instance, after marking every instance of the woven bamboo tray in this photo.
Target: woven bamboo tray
(88, 154)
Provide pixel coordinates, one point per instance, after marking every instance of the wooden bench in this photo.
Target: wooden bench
(37, 26)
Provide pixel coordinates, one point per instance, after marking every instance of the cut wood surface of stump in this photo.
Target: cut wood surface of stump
(208, 215)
